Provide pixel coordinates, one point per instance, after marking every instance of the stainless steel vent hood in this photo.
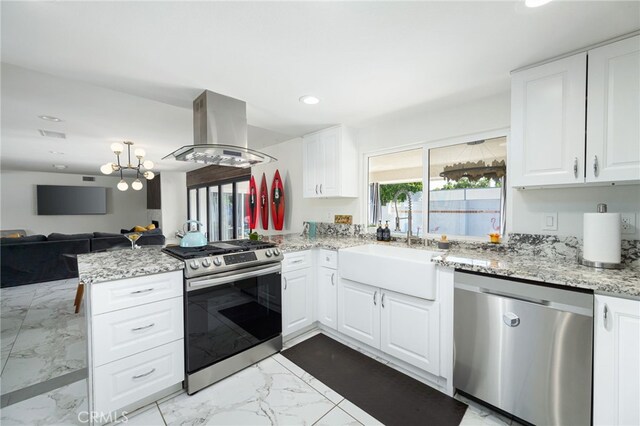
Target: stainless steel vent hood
(220, 134)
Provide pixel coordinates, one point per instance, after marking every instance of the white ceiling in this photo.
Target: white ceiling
(362, 59)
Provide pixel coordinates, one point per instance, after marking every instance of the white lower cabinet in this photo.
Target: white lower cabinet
(136, 344)
(132, 330)
(327, 286)
(409, 330)
(358, 312)
(297, 300)
(405, 327)
(616, 361)
(119, 383)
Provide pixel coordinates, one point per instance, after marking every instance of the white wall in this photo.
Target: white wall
(432, 126)
(570, 204)
(173, 199)
(18, 205)
(297, 209)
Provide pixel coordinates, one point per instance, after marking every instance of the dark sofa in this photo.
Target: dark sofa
(37, 258)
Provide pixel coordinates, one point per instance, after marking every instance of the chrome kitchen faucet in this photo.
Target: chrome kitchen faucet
(409, 215)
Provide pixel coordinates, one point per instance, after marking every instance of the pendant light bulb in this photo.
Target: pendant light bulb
(149, 175)
(107, 169)
(122, 185)
(116, 148)
(148, 164)
(140, 152)
(136, 185)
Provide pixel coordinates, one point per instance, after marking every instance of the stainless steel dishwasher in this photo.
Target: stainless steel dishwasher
(524, 348)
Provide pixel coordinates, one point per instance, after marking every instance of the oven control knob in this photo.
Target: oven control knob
(217, 261)
(276, 252)
(268, 253)
(206, 263)
(194, 264)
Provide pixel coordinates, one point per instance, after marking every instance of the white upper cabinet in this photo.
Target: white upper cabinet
(547, 123)
(329, 159)
(549, 104)
(613, 112)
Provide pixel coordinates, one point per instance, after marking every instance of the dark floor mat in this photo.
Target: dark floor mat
(388, 395)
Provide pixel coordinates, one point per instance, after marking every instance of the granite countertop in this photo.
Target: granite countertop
(560, 271)
(119, 264)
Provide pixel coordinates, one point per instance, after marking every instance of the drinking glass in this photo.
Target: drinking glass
(133, 237)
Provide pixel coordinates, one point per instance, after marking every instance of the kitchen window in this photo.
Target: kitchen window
(467, 188)
(221, 208)
(456, 190)
(388, 175)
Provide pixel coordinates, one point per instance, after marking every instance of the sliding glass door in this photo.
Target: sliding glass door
(221, 208)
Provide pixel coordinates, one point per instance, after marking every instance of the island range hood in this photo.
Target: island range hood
(220, 134)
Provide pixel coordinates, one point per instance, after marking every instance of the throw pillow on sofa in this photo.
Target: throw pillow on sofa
(64, 237)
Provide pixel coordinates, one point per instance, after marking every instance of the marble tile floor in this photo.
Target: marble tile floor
(43, 343)
(42, 338)
(274, 391)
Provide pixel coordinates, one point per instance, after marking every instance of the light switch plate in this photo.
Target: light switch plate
(628, 225)
(549, 221)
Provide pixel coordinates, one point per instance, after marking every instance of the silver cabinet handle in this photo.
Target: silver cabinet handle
(595, 165)
(605, 315)
(332, 276)
(382, 300)
(293, 262)
(140, 376)
(316, 188)
(146, 290)
(374, 298)
(285, 282)
(143, 327)
(575, 167)
(321, 188)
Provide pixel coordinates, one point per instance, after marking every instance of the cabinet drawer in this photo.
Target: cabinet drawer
(120, 294)
(296, 260)
(328, 258)
(126, 381)
(129, 331)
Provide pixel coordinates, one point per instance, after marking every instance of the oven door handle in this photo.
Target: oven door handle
(233, 276)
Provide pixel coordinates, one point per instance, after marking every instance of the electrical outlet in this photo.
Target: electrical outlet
(549, 221)
(628, 223)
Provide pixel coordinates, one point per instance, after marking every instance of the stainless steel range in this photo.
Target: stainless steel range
(233, 307)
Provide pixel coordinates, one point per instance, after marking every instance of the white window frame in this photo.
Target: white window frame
(426, 146)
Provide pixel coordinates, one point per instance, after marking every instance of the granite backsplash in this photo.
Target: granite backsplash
(529, 244)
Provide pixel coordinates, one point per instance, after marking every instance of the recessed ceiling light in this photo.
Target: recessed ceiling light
(309, 100)
(56, 152)
(535, 3)
(50, 118)
(59, 166)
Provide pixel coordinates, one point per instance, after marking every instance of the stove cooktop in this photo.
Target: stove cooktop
(217, 248)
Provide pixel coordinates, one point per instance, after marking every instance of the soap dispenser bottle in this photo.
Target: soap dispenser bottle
(379, 232)
(386, 233)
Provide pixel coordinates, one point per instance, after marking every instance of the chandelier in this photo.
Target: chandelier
(109, 168)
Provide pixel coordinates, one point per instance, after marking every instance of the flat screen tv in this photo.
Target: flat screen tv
(71, 200)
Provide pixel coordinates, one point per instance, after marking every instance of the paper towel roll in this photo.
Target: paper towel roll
(602, 237)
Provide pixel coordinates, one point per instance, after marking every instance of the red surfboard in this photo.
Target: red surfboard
(277, 202)
(264, 203)
(252, 204)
